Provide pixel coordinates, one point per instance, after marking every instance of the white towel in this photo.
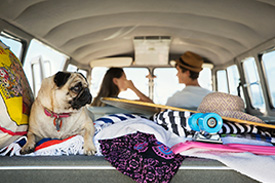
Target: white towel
(260, 168)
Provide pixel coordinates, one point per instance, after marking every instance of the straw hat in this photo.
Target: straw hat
(226, 105)
(191, 61)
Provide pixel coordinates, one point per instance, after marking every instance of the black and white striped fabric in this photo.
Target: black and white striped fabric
(237, 128)
(177, 122)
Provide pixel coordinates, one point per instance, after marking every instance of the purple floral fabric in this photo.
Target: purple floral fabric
(141, 157)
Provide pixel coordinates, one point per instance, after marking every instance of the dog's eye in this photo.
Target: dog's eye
(77, 88)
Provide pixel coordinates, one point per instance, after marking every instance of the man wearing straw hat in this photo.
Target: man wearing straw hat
(189, 66)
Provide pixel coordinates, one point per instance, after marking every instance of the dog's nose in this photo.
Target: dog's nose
(86, 96)
(82, 99)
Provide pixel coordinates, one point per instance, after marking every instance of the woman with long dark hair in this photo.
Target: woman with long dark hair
(113, 83)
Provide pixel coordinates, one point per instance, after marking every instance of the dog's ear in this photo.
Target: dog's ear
(61, 78)
(82, 76)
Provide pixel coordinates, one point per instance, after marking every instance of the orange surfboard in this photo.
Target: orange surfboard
(150, 108)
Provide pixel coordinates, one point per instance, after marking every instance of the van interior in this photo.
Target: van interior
(235, 38)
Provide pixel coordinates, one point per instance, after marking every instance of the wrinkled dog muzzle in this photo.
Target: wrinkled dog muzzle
(84, 97)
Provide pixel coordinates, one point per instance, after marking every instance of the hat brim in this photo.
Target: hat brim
(239, 115)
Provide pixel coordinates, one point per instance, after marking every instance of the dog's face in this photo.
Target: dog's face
(73, 87)
(65, 91)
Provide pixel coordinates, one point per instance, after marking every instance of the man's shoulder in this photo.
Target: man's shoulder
(190, 91)
(196, 88)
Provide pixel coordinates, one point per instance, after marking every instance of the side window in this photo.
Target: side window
(165, 84)
(222, 81)
(233, 79)
(138, 76)
(229, 78)
(205, 79)
(96, 79)
(73, 68)
(252, 83)
(15, 45)
(268, 61)
(42, 61)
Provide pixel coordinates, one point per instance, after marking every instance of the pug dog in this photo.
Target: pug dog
(59, 111)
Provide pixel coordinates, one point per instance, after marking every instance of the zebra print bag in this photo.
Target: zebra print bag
(177, 122)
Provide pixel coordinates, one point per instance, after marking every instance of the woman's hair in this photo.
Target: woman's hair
(108, 88)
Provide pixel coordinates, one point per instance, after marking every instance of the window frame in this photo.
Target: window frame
(217, 80)
(247, 85)
(23, 43)
(269, 102)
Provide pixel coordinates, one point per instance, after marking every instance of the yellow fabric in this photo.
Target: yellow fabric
(13, 100)
(14, 87)
(16, 98)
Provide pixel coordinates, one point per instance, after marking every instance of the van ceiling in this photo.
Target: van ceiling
(86, 30)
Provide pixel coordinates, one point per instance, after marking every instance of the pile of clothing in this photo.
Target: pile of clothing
(138, 146)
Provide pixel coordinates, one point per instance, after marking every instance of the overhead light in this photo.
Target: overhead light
(112, 62)
(152, 50)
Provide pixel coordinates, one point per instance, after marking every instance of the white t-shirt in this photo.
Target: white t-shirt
(190, 97)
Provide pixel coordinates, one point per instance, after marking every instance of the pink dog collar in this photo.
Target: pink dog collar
(57, 122)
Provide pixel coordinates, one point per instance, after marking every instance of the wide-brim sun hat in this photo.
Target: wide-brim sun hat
(226, 105)
(190, 61)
